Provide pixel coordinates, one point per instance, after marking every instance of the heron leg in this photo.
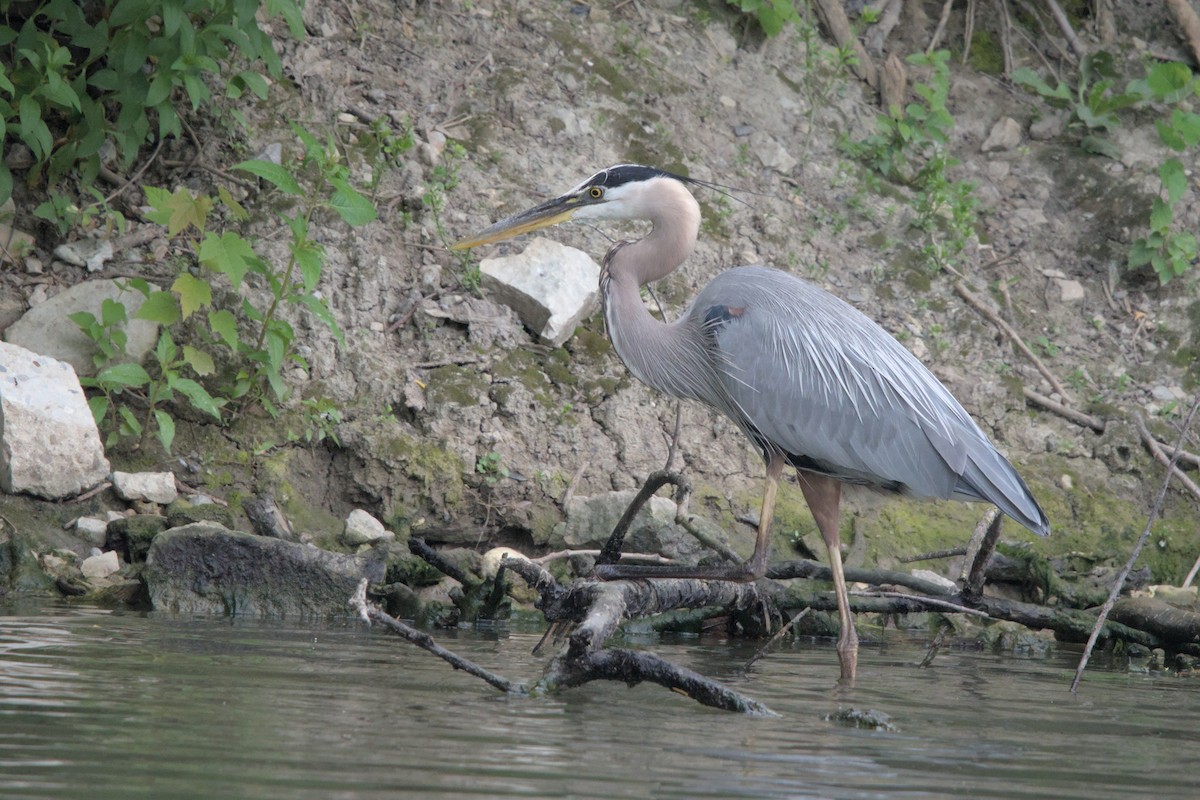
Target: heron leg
(824, 495)
(750, 571)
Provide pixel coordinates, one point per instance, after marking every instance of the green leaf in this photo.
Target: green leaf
(160, 89)
(199, 397)
(199, 360)
(129, 11)
(224, 324)
(1169, 81)
(317, 306)
(160, 307)
(1101, 147)
(254, 82)
(123, 375)
(310, 257)
(178, 210)
(1161, 215)
(1140, 253)
(164, 351)
(99, 407)
(228, 254)
(129, 423)
(1174, 179)
(112, 312)
(194, 293)
(166, 428)
(32, 130)
(351, 206)
(274, 174)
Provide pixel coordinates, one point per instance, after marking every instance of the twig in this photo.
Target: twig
(674, 436)
(372, 613)
(1184, 455)
(1065, 26)
(1070, 414)
(569, 494)
(1161, 457)
(726, 552)
(787, 626)
(611, 552)
(633, 667)
(1137, 548)
(953, 551)
(1191, 576)
(973, 586)
(418, 547)
(1005, 35)
(974, 302)
(941, 27)
(88, 495)
(803, 568)
(968, 30)
(644, 558)
(936, 645)
(976, 540)
(933, 601)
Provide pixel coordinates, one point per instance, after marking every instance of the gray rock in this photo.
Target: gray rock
(771, 154)
(90, 253)
(590, 521)
(1005, 135)
(1071, 291)
(207, 568)
(362, 528)
(1048, 127)
(93, 531)
(46, 329)
(153, 487)
(100, 566)
(49, 444)
(552, 287)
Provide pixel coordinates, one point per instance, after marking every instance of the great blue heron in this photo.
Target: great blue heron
(811, 380)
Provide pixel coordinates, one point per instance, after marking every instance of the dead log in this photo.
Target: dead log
(1171, 624)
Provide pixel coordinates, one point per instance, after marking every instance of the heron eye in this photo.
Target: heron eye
(596, 192)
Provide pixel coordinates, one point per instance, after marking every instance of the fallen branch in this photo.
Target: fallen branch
(1161, 457)
(1064, 25)
(803, 568)
(1189, 23)
(1137, 548)
(369, 612)
(974, 302)
(1070, 414)
(833, 17)
(633, 667)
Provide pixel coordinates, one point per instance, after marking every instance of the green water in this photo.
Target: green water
(101, 705)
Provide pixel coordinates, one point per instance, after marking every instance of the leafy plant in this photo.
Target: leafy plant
(1169, 250)
(911, 147)
(1093, 104)
(74, 76)
(772, 15)
(258, 342)
(489, 465)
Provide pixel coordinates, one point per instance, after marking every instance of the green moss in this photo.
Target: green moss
(438, 471)
(986, 55)
(455, 385)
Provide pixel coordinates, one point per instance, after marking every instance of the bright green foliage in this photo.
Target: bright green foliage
(1170, 251)
(911, 147)
(772, 15)
(1094, 103)
(254, 343)
(74, 75)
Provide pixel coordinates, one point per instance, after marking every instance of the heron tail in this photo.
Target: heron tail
(990, 477)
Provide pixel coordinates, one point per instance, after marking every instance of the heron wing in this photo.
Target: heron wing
(809, 374)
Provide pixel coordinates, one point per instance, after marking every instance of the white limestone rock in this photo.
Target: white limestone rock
(45, 328)
(100, 566)
(1005, 135)
(362, 528)
(49, 444)
(552, 287)
(152, 487)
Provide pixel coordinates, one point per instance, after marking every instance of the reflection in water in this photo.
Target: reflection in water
(99, 705)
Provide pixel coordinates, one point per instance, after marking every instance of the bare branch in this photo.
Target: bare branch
(1137, 548)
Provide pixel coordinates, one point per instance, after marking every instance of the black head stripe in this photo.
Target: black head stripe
(625, 173)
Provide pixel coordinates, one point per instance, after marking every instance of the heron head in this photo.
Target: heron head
(615, 193)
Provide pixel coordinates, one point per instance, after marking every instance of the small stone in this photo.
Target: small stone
(1066, 483)
(1048, 127)
(155, 487)
(362, 528)
(34, 266)
(1071, 291)
(94, 531)
(90, 253)
(100, 566)
(1163, 394)
(727, 101)
(378, 327)
(1005, 135)
(272, 153)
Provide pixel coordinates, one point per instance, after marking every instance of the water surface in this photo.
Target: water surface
(100, 705)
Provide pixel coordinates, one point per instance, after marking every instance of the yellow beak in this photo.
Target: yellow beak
(549, 213)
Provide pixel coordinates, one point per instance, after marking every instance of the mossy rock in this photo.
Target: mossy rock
(181, 512)
(131, 536)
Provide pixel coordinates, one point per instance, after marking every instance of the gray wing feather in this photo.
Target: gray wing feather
(820, 380)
